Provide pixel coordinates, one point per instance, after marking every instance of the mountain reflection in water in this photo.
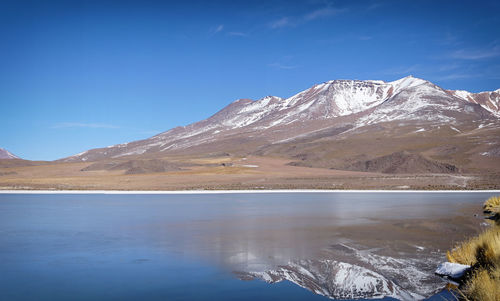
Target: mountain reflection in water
(366, 275)
(339, 245)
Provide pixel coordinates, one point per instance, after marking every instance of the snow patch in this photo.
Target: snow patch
(407, 82)
(452, 270)
(465, 95)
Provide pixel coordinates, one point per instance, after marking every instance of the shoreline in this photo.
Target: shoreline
(234, 191)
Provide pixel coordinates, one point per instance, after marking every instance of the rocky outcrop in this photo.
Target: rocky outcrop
(401, 163)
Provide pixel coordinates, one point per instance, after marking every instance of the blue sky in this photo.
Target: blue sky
(76, 75)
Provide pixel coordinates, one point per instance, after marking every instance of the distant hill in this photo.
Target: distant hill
(5, 154)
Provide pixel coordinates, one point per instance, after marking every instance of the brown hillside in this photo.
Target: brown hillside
(401, 163)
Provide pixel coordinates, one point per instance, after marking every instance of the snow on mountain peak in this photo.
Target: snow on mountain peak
(414, 99)
(462, 94)
(270, 97)
(240, 100)
(5, 154)
(488, 100)
(408, 98)
(375, 81)
(407, 82)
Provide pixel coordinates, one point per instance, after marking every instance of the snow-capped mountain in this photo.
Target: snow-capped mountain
(5, 154)
(488, 100)
(421, 100)
(354, 104)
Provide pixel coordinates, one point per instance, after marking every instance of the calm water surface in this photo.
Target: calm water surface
(193, 246)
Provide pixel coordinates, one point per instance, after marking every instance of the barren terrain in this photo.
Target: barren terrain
(224, 172)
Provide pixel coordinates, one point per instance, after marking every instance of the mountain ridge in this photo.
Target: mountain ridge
(253, 126)
(5, 154)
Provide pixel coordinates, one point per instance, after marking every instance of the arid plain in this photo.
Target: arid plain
(225, 173)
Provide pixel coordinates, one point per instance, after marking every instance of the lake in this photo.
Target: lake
(230, 246)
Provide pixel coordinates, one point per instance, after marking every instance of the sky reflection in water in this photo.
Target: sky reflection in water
(180, 247)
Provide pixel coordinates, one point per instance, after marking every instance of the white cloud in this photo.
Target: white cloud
(237, 34)
(322, 13)
(215, 30)
(219, 28)
(282, 22)
(282, 66)
(476, 54)
(289, 21)
(408, 70)
(365, 38)
(449, 67)
(454, 76)
(84, 125)
(375, 5)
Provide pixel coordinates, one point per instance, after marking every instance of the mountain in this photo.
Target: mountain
(488, 100)
(330, 124)
(5, 154)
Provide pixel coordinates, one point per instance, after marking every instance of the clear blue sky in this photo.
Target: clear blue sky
(76, 75)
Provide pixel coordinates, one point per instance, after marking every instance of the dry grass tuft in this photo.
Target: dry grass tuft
(477, 250)
(482, 286)
(492, 205)
(483, 254)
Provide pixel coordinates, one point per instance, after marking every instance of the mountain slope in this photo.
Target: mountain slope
(488, 100)
(406, 114)
(423, 101)
(402, 162)
(5, 154)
